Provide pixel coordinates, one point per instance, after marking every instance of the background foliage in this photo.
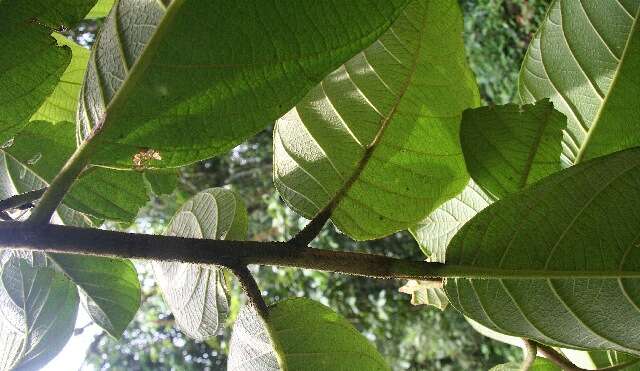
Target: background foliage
(496, 36)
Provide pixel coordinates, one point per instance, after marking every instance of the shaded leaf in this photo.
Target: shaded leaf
(300, 335)
(40, 151)
(378, 138)
(195, 293)
(540, 364)
(31, 63)
(509, 147)
(39, 308)
(110, 288)
(151, 84)
(585, 57)
(565, 256)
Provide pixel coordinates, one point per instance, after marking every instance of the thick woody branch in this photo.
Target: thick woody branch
(73, 240)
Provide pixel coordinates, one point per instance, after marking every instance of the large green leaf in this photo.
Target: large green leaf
(559, 261)
(110, 288)
(195, 292)
(39, 308)
(509, 147)
(151, 84)
(586, 57)
(40, 151)
(31, 63)
(307, 336)
(378, 138)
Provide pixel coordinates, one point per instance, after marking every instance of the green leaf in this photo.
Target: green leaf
(559, 262)
(39, 152)
(62, 104)
(436, 231)
(585, 57)
(307, 336)
(38, 307)
(509, 147)
(195, 293)
(110, 288)
(31, 62)
(190, 98)
(540, 364)
(101, 9)
(378, 138)
(161, 181)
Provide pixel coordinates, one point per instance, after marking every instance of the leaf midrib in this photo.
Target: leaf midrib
(361, 165)
(596, 120)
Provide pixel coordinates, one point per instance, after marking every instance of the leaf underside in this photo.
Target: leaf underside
(195, 293)
(581, 221)
(378, 137)
(509, 147)
(586, 57)
(307, 336)
(151, 84)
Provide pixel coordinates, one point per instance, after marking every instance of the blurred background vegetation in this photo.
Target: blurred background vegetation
(410, 337)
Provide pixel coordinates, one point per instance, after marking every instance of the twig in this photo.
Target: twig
(556, 357)
(530, 351)
(21, 199)
(311, 230)
(252, 290)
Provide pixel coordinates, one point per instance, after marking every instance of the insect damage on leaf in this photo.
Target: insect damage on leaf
(142, 158)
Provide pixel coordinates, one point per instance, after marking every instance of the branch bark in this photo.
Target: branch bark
(252, 290)
(21, 199)
(73, 240)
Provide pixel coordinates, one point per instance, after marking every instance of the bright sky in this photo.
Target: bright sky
(74, 352)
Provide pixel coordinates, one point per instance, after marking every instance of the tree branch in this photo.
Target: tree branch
(311, 230)
(21, 199)
(73, 240)
(252, 290)
(61, 184)
(530, 351)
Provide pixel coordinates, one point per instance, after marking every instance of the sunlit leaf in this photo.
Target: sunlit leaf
(195, 293)
(378, 137)
(38, 307)
(436, 231)
(300, 335)
(585, 57)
